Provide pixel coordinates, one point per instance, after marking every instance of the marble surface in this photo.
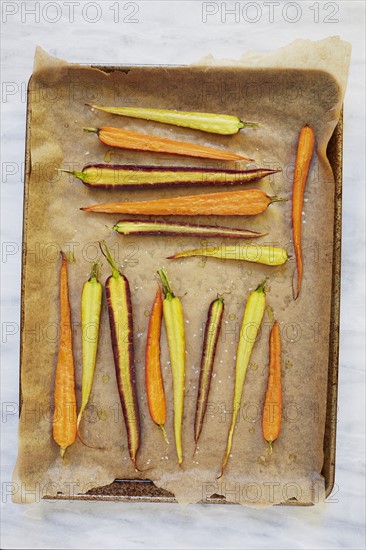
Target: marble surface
(175, 32)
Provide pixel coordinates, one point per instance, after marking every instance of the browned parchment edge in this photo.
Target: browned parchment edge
(144, 490)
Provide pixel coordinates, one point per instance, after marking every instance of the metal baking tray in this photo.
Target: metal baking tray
(144, 490)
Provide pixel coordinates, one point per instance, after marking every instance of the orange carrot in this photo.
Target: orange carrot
(125, 139)
(154, 380)
(234, 203)
(272, 412)
(64, 419)
(305, 149)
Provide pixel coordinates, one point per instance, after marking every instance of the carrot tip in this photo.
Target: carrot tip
(223, 466)
(221, 474)
(89, 446)
(137, 469)
(162, 427)
(295, 293)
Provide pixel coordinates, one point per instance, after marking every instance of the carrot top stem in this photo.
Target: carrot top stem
(278, 199)
(167, 289)
(262, 285)
(244, 124)
(106, 253)
(93, 130)
(95, 271)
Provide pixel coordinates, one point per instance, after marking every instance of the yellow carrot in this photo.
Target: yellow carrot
(174, 324)
(206, 122)
(91, 304)
(252, 320)
(268, 255)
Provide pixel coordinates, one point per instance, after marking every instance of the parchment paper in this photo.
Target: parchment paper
(302, 83)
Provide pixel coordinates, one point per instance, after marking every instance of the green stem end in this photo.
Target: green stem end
(278, 199)
(93, 130)
(107, 254)
(262, 286)
(270, 447)
(243, 124)
(95, 272)
(167, 289)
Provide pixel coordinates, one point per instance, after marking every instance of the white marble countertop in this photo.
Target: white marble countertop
(176, 32)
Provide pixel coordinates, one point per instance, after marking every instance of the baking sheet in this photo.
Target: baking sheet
(58, 93)
(145, 490)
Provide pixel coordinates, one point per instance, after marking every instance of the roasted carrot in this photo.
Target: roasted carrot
(272, 411)
(91, 305)
(123, 176)
(174, 324)
(141, 227)
(248, 202)
(153, 376)
(252, 320)
(305, 149)
(206, 122)
(120, 319)
(64, 419)
(268, 255)
(212, 333)
(126, 139)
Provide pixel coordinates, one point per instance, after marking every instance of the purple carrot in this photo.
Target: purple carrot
(141, 227)
(213, 326)
(120, 176)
